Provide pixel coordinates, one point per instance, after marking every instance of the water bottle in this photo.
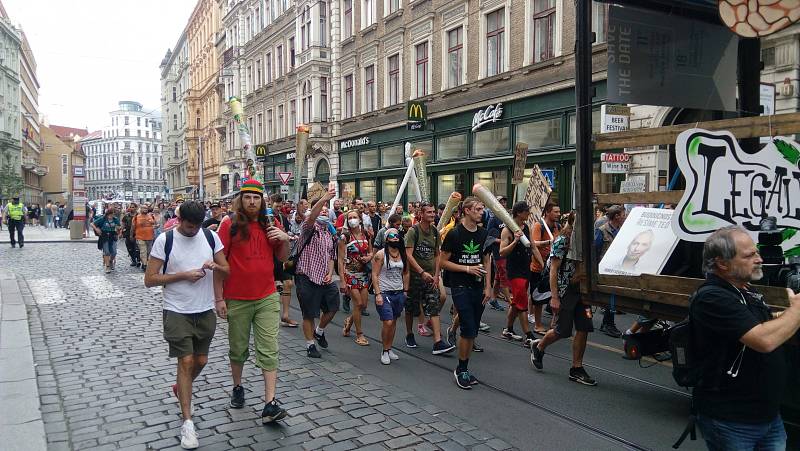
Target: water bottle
(270, 217)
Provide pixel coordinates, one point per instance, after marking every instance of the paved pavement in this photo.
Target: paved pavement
(104, 376)
(39, 234)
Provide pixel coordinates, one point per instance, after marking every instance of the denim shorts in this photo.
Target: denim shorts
(721, 435)
(469, 304)
(110, 248)
(392, 306)
(314, 298)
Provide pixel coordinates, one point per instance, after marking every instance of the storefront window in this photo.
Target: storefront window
(347, 162)
(538, 134)
(368, 159)
(490, 142)
(347, 191)
(366, 190)
(425, 146)
(573, 123)
(389, 189)
(451, 147)
(446, 184)
(392, 156)
(494, 181)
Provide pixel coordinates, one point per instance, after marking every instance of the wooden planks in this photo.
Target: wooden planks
(652, 197)
(745, 127)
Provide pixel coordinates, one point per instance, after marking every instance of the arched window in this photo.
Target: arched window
(322, 173)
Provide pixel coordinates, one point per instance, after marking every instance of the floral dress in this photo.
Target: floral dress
(355, 270)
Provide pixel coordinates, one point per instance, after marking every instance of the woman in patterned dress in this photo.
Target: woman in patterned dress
(355, 251)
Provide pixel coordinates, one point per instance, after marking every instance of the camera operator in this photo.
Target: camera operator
(739, 341)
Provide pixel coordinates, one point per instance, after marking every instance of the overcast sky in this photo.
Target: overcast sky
(93, 53)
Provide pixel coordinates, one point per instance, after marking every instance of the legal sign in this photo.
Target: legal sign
(520, 157)
(682, 62)
(284, 176)
(615, 163)
(417, 114)
(727, 186)
(284, 189)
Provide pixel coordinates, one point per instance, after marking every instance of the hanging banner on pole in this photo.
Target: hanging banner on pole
(520, 158)
(301, 140)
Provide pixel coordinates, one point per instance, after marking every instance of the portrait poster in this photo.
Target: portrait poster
(643, 245)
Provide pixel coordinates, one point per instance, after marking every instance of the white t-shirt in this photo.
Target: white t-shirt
(188, 253)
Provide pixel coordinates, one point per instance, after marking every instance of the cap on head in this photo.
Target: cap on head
(252, 186)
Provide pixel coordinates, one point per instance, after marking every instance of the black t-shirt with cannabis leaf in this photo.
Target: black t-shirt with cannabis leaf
(466, 248)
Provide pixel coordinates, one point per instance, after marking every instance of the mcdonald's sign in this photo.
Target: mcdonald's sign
(260, 152)
(417, 115)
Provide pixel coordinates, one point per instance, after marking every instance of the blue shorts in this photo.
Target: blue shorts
(723, 435)
(392, 307)
(469, 304)
(110, 248)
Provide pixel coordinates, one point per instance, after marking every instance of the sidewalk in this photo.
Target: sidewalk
(21, 427)
(39, 234)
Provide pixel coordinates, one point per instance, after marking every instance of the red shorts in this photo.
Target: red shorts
(501, 278)
(519, 291)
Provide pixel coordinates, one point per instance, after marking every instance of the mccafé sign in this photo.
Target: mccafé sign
(491, 113)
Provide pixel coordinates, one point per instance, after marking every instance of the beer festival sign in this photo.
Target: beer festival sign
(727, 186)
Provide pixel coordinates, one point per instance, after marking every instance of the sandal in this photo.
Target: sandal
(348, 322)
(286, 322)
(540, 331)
(361, 340)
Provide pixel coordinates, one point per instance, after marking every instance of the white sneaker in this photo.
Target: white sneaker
(188, 436)
(392, 355)
(531, 318)
(385, 358)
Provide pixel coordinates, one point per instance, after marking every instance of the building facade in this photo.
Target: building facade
(175, 83)
(203, 98)
(124, 160)
(32, 167)
(62, 154)
(11, 181)
(488, 74)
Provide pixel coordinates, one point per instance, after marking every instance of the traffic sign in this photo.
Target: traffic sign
(285, 176)
(284, 189)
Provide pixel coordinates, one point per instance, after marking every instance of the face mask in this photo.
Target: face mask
(394, 244)
(353, 223)
(323, 220)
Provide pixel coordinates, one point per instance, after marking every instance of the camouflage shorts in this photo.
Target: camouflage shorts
(423, 297)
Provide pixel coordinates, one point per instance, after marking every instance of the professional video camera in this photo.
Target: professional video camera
(776, 271)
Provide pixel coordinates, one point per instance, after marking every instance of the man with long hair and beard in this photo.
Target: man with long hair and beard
(251, 300)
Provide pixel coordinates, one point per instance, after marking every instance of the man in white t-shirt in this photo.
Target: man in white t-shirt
(188, 261)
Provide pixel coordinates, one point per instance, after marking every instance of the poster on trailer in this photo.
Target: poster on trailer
(643, 244)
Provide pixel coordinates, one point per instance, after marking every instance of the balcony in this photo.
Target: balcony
(41, 170)
(229, 55)
(219, 125)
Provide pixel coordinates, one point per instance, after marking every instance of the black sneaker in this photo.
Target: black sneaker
(476, 347)
(610, 330)
(441, 348)
(237, 397)
(312, 352)
(580, 376)
(537, 356)
(323, 342)
(462, 379)
(272, 412)
(411, 342)
(451, 336)
(473, 380)
(134, 264)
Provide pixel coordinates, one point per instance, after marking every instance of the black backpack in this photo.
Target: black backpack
(171, 238)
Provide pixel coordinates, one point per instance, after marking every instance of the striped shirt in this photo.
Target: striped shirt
(314, 258)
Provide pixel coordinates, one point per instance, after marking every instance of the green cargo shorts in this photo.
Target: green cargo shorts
(263, 316)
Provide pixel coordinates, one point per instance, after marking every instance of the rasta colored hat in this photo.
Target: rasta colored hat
(252, 186)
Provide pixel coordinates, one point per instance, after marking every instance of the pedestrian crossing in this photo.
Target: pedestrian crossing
(48, 291)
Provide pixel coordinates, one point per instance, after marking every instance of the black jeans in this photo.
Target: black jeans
(18, 225)
(133, 250)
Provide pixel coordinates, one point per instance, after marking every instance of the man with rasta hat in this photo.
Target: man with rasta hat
(250, 299)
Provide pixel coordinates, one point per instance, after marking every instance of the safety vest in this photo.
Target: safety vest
(14, 211)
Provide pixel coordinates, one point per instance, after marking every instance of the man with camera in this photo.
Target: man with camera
(739, 342)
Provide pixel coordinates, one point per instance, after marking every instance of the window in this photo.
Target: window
(127, 160)
(138, 121)
(369, 13)
(495, 181)
(600, 21)
(292, 116)
(389, 189)
(281, 123)
(392, 156)
(394, 79)
(259, 75)
(174, 121)
(259, 127)
(270, 128)
(127, 132)
(544, 18)
(447, 183)
(768, 56)
(250, 79)
(495, 32)
(368, 159)
(451, 147)
(540, 133)
(348, 18)
(348, 96)
(367, 189)
(369, 88)
(323, 24)
(392, 6)
(279, 62)
(455, 55)
(291, 53)
(347, 162)
(305, 29)
(490, 142)
(126, 120)
(269, 67)
(421, 51)
(306, 102)
(174, 94)
(323, 100)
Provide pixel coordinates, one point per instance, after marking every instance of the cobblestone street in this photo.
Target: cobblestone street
(104, 376)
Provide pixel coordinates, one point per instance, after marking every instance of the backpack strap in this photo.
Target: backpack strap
(167, 250)
(210, 239)
(689, 431)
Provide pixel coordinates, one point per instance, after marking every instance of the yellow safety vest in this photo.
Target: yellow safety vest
(14, 211)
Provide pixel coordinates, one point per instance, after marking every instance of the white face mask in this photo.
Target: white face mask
(353, 223)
